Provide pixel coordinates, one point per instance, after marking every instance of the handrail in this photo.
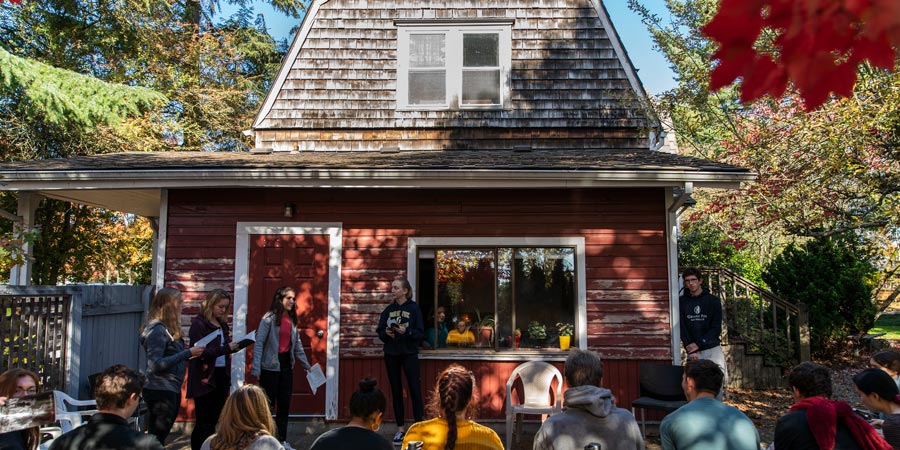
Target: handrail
(769, 324)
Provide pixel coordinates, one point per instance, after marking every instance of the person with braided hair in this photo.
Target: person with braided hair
(879, 393)
(452, 404)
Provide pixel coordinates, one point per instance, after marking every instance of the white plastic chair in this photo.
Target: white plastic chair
(537, 380)
(68, 412)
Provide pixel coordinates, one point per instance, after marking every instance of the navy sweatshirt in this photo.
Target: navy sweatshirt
(701, 319)
(407, 315)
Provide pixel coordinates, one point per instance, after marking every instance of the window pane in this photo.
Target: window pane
(465, 289)
(481, 50)
(481, 87)
(427, 88)
(426, 50)
(544, 294)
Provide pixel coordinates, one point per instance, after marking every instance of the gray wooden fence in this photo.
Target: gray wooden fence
(66, 333)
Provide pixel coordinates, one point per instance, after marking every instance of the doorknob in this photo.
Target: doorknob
(320, 333)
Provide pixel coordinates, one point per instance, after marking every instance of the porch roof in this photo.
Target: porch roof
(132, 182)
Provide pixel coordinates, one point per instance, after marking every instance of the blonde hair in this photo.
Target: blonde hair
(214, 296)
(245, 417)
(165, 308)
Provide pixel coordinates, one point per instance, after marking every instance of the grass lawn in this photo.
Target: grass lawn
(888, 324)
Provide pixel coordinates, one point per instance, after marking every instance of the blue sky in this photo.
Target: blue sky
(652, 66)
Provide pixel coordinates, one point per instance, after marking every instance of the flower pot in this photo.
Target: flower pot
(565, 342)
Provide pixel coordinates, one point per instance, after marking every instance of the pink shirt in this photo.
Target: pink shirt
(284, 334)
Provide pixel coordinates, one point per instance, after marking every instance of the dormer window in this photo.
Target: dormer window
(458, 66)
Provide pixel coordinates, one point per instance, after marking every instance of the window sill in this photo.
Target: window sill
(547, 354)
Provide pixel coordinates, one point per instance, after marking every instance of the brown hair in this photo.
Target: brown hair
(9, 382)
(453, 392)
(583, 368)
(277, 309)
(245, 417)
(165, 308)
(214, 296)
(115, 385)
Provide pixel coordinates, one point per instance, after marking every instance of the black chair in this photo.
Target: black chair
(660, 389)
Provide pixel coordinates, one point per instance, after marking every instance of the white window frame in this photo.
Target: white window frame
(453, 41)
(412, 268)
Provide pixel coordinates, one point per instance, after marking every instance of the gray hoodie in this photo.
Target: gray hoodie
(590, 415)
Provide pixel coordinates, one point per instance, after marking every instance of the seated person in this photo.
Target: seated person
(461, 336)
(439, 339)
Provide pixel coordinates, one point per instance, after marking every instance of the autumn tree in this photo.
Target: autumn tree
(199, 82)
(827, 172)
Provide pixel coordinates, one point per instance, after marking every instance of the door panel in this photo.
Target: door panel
(299, 261)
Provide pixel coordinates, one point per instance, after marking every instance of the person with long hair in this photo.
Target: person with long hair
(167, 356)
(453, 404)
(366, 409)
(877, 390)
(19, 383)
(276, 349)
(889, 362)
(401, 329)
(209, 376)
(246, 423)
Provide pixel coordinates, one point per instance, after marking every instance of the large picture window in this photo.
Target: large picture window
(498, 298)
(453, 66)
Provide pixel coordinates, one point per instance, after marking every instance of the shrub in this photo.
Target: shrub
(832, 276)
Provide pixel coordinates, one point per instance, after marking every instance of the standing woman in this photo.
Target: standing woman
(276, 349)
(879, 393)
(166, 358)
(400, 328)
(453, 404)
(209, 377)
(19, 383)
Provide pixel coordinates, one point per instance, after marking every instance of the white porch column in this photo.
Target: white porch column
(28, 202)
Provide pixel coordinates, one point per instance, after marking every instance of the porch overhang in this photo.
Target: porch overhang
(133, 182)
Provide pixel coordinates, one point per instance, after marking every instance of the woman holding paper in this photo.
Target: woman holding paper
(19, 383)
(276, 349)
(209, 376)
(166, 358)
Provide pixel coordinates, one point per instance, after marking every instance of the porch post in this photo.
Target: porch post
(28, 202)
(672, 230)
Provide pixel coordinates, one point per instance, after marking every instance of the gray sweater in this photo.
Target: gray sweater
(166, 358)
(265, 350)
(590, 415)
(264, 442)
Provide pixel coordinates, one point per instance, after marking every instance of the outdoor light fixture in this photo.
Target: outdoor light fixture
(289, 210)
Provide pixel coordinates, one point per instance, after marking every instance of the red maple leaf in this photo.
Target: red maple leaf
(818, 47)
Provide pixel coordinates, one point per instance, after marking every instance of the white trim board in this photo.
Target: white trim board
(578, 242)
(241, 286)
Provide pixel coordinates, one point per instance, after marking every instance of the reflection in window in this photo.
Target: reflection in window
(484, 295)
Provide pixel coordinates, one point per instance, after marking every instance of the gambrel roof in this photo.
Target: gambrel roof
(571, 82)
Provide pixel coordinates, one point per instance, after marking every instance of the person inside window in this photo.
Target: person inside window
(437, 337)
(461, 336)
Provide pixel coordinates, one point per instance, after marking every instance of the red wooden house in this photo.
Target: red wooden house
(495, 152)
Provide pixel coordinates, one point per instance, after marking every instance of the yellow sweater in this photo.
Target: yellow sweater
(469, 435)
(464, 339)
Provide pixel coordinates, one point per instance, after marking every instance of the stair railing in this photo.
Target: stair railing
(767, 323)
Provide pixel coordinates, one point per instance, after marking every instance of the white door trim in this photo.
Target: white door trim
(241, 286)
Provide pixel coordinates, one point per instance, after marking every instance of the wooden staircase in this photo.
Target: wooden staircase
(763, 336)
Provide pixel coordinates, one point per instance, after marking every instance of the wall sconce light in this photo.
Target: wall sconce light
(289, 210)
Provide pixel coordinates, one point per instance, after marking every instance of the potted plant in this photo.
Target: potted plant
(537, 332)
(566, 330)
(484, 329)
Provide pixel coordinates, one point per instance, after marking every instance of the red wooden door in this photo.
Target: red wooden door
(299, 261)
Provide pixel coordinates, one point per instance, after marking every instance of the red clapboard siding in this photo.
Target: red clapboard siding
(624, 231)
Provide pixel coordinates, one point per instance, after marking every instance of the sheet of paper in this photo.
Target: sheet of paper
(316, 377)
(26, 412)
(247, 340)
(205, 340)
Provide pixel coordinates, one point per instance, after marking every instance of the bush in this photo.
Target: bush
(832, 276)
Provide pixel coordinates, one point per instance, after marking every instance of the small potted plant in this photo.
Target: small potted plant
(484, 329)
(537, 332)
(566, 330)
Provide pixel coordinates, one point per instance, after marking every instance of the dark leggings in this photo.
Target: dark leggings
(408, 364)
(208, 407)
(279, 387)
(162, 408)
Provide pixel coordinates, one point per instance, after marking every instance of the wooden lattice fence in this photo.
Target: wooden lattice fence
(35, 333)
